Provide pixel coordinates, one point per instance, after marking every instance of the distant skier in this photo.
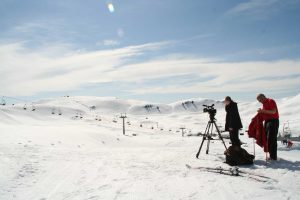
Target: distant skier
(271, 118)
(233, 122)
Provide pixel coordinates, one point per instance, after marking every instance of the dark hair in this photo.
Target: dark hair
(228, 98)
(260, 96)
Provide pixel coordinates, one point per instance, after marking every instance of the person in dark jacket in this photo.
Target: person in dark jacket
(233, 121)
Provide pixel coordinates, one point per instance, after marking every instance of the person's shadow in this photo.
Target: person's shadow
(280, 164)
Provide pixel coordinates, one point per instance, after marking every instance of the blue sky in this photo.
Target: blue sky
(151, 50)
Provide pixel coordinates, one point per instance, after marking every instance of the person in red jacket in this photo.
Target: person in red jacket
(271, 118)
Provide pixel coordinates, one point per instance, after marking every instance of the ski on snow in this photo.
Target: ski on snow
(233, 171)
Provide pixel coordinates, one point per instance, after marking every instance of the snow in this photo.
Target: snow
(74, 156)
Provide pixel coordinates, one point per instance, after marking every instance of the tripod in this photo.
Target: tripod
(208, 135)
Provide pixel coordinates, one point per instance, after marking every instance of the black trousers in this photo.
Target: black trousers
(234, 137)
(271, 127)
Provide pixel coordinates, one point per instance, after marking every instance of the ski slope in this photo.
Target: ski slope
(73, 148)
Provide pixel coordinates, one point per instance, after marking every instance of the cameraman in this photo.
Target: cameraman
(233, 121)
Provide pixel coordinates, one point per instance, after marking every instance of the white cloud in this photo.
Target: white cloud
(58, 68)
(109, 43)
(27, 72)
(120, 32)
(259, 9)
(233, 77)
(28, 27)
(210, 87)
(253, 5)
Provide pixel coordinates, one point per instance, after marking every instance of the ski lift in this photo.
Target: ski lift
(3, 102)
(93, 108)
(286, 132)
(33, 108)
(116, 117)
(97, 118)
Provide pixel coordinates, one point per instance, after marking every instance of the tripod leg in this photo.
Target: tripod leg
(220, 136)
(204, 138)
(197, 155)
(209, 136)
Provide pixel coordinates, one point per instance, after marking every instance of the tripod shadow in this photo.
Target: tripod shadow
(280, 164)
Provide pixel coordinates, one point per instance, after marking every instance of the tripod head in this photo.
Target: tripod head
(211, 111)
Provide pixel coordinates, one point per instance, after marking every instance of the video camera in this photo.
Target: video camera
(210, 110)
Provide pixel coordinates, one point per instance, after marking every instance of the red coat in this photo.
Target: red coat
(256, 130)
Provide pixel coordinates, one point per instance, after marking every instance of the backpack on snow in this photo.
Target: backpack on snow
(238, 156)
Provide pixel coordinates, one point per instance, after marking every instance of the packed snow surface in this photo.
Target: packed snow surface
(74, 148)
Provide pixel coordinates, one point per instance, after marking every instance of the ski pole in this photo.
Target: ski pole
(253, 146)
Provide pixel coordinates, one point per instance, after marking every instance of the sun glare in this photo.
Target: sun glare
(110, 7)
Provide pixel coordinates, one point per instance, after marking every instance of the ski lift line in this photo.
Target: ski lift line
(20, 100)
(86, 106)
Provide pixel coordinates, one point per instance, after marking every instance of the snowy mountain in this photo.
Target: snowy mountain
(74, 148)
(187, 113)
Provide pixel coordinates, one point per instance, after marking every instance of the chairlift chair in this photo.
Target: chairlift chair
(33, 108)
(3, 102)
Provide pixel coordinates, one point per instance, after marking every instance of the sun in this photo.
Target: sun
(110, 7)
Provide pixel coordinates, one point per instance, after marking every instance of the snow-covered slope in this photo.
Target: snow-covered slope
(73, 148)
(188, 113)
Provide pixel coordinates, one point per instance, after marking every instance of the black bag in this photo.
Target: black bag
(238, 156)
